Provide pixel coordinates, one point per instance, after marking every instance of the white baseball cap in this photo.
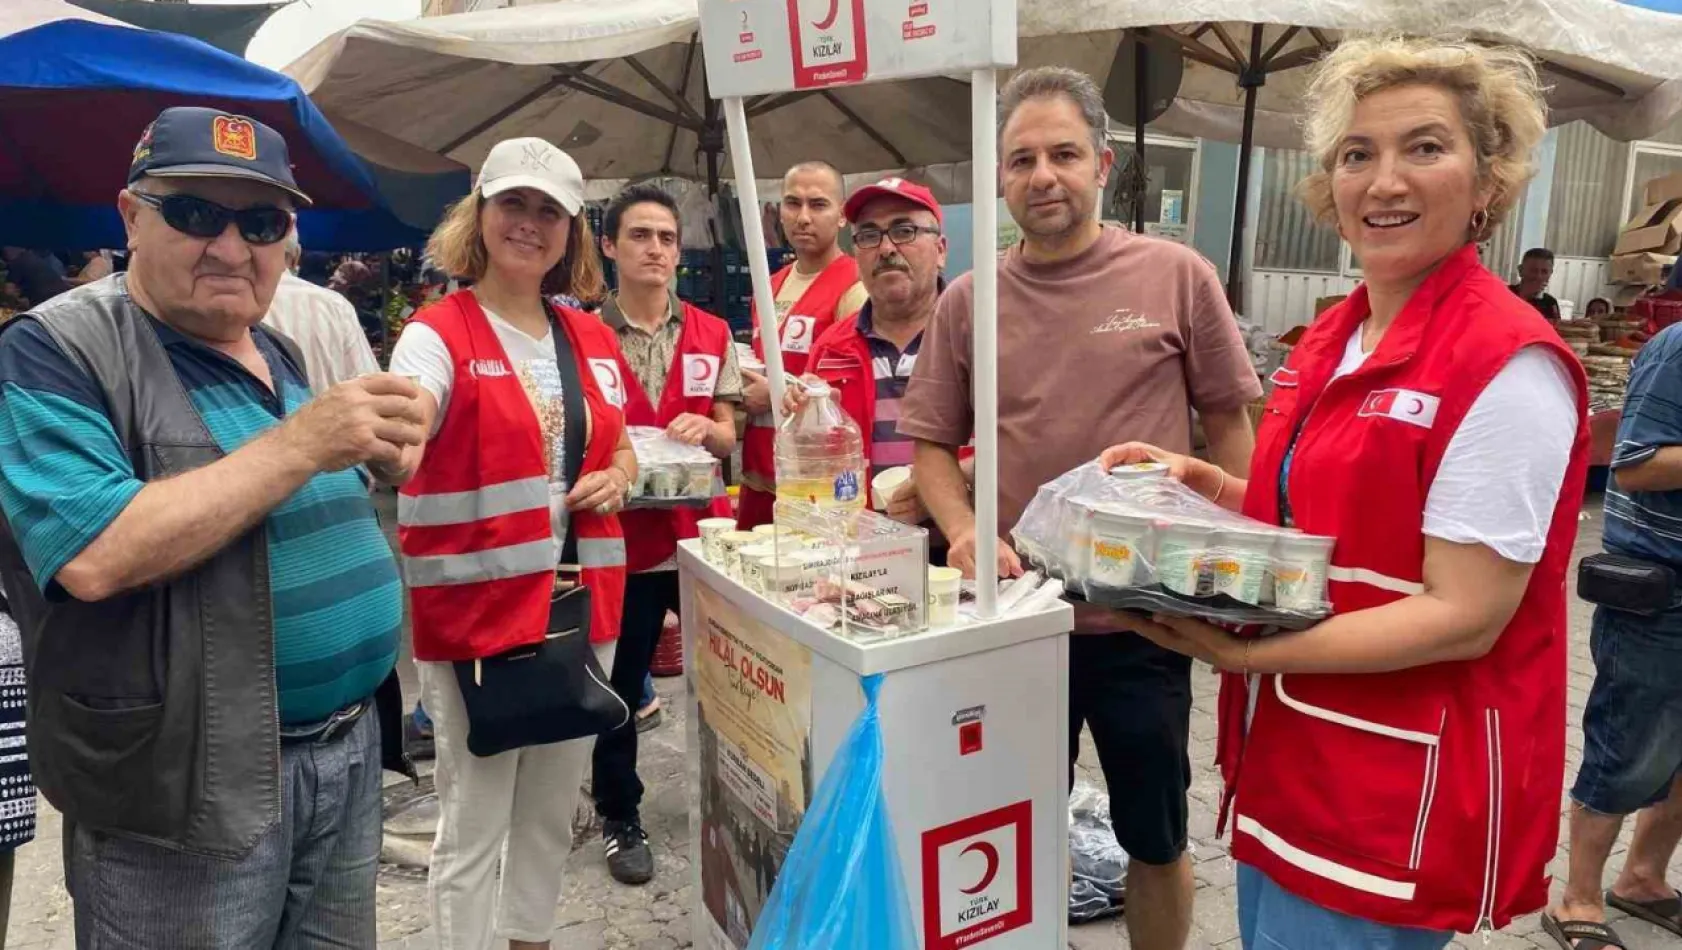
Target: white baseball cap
(532, 163)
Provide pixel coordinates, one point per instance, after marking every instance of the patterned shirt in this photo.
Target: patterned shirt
(650, 355)
(891, 368)
(1648, 524)
(65, 476)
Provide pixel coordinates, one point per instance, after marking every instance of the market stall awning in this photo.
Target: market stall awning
(227, 26)
(616, 83)
(1611, 64)
(76, 89)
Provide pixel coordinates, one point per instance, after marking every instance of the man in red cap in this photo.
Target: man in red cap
(867, 361)
(819, 288)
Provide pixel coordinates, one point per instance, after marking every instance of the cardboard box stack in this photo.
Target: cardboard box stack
(1647, 246)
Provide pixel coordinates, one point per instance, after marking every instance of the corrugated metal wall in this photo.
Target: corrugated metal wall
(1287, 236)
(1280, 300)
(1580, 279)
(1586, 207)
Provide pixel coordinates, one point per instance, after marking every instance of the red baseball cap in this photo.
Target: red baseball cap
(894, 187)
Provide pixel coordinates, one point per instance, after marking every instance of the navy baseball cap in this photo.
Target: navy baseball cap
(188, 141)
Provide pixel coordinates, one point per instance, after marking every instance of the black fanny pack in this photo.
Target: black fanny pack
(1625, 583)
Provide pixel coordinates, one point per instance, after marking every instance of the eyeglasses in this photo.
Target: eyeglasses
(197, 217)
(899, 234)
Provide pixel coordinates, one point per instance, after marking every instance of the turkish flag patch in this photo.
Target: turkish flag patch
(1414, 408)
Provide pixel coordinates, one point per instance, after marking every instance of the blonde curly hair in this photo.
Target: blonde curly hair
(1498, 90)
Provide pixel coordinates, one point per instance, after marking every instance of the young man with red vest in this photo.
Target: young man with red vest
(676, 370)
(819, 288)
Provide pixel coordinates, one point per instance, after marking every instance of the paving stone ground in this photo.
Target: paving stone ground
(597, 914)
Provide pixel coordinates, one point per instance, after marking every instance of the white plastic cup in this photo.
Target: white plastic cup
(1077, 545)
(1140, 470)
(1239, 563)
(943, 595)
(730, 545)
(885, 484)
(1299, 570)
(1181, 550)
(711, 529)
(1120, 549)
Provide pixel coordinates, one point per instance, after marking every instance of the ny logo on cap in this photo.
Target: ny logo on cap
(234, 136)
(536, 157)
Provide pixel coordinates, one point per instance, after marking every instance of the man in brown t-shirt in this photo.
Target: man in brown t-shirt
(1104, 336)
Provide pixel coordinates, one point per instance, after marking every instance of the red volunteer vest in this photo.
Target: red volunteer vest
(808, 319)
(652, 535)
(479, 552)
(1427, 797)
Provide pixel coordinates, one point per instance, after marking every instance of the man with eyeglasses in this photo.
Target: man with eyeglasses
(867, 361)
(208, 603)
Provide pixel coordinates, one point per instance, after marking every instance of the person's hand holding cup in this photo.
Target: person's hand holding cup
(369, 420)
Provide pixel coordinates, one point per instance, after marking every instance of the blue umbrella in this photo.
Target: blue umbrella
(75, 95)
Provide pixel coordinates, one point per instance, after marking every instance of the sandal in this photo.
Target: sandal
(1665, 912)
(1581, 934)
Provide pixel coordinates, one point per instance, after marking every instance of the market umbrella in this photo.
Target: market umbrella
(619, 85)
(1609, 63)
(226, 26)
(76, 89)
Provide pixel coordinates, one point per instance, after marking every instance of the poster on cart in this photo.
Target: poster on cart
(754, 713)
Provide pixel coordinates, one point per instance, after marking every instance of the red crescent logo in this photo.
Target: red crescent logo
(829, 18)
(992, 855)
(1418, 407)
(700, 370)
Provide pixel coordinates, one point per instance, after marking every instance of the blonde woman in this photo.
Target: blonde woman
(484, 510)
(1394, 773)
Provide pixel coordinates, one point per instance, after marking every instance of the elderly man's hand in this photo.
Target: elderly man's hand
(367, 419)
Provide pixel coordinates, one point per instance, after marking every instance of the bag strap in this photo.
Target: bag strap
(572, 397)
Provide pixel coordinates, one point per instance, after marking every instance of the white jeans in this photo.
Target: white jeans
(530, 792)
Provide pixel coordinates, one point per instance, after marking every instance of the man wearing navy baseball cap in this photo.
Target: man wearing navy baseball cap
(208, 604)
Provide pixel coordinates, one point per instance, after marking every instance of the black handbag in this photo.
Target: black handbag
(553, 690)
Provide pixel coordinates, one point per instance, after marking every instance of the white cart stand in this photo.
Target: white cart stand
(975, 770)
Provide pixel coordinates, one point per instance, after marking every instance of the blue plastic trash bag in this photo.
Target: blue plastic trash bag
(841, 887)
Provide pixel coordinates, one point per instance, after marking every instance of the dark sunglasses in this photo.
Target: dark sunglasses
(263, 224)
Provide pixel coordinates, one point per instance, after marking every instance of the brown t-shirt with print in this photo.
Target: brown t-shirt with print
(1117, 344)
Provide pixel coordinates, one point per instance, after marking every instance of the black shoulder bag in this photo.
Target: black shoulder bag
(553, 690)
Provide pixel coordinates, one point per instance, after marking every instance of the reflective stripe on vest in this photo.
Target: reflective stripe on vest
(597, 553)
(515, 560)
(462, 507)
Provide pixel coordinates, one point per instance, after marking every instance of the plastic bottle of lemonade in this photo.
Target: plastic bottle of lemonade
(820, 454)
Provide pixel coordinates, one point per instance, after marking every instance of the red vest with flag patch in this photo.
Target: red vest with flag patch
(1427, 797)
(474, 528)
(808, 319)
(652, 535)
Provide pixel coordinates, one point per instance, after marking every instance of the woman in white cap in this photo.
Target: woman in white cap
(488, 513)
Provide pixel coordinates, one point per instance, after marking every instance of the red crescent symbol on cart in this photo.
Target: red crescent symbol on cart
(992, 855)
(829, 18)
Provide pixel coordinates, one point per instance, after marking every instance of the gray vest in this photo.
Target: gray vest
(152, 715)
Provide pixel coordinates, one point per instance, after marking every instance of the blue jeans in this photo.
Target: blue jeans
(1632, 723)
(307, 885)
(1272, 918)
(648, 695)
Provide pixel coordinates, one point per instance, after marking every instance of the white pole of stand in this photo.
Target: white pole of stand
(984, 160)
(753, 232)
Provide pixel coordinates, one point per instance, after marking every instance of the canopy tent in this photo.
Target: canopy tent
(619, 85)
(1609, 63)
(227, 26)
(76, 89)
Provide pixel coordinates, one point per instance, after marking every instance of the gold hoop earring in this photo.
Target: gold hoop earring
(1480, 221)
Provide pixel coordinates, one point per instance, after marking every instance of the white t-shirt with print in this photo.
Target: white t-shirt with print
(1500, 475)
(422, 353)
